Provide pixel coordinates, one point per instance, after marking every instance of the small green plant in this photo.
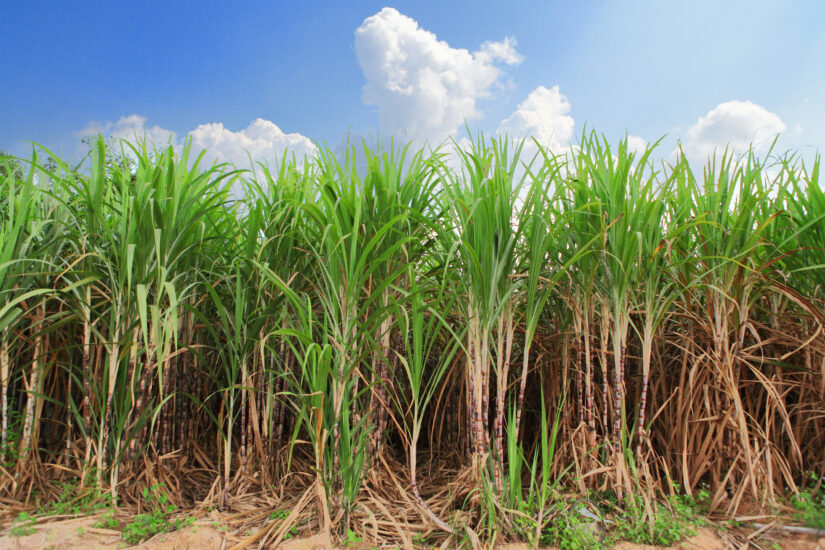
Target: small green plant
(351, 538)
(10, 447)
(291, 533)
(155, 521)
(23, 525)
(669, 524)
(733, 524)
(107, 521)
(569, 530)
(282, 515)
(75, 501)
(279, 514)
(810, 505)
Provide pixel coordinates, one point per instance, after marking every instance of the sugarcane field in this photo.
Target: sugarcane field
(383, 350)
(424, 276)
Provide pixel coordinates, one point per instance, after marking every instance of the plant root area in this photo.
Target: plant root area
(59, 515)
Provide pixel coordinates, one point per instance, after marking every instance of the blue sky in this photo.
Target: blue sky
(704, 73)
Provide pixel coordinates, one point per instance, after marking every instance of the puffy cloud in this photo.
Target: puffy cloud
(262, 140)
(737, 124)
(131, 128)
(424, 88)
(542, 115)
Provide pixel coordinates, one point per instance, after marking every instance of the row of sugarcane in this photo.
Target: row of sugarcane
(595, 318)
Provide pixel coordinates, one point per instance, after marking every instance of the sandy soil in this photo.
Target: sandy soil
(80, 534)
(709, 539)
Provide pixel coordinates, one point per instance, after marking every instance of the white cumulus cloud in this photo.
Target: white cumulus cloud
(543, 115)
(262, 140)
(424, 88)
(131, 128)
(737, 124)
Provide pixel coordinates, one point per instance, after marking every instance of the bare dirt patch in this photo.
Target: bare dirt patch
(81, 534)
(705, 539)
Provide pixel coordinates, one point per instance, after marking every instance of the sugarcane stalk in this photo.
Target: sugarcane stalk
(143, 391)
(588, 391)
(476, 388)
(280, 409)
(647, 345)
(229, 397)
(244, 400)
(114, 351)
(484, 358)
(69, 417)
(618, 398)
(501, 387)
(580, 377)
(5, 367)
(26, 441)
(186, 404)
(522, 385)
(133, 350)
(172, 390)
(381, 377)
(604, 324)
(505, 346)
(384, 412)
(85, 406)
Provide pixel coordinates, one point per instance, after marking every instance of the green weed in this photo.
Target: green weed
(669, 524)
(75, 501)
(147, 525)
(279, 514)
(570, 530)
(810, 505)
(23, 525)
(10, 448)
(282, 515)
(107, 521)
(351, 538)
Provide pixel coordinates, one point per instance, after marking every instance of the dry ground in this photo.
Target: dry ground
(80, 534)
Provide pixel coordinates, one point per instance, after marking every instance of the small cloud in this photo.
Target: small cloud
(131, 128)
(734, 124)
(543, 115)
(263, 140)
(504, 51)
